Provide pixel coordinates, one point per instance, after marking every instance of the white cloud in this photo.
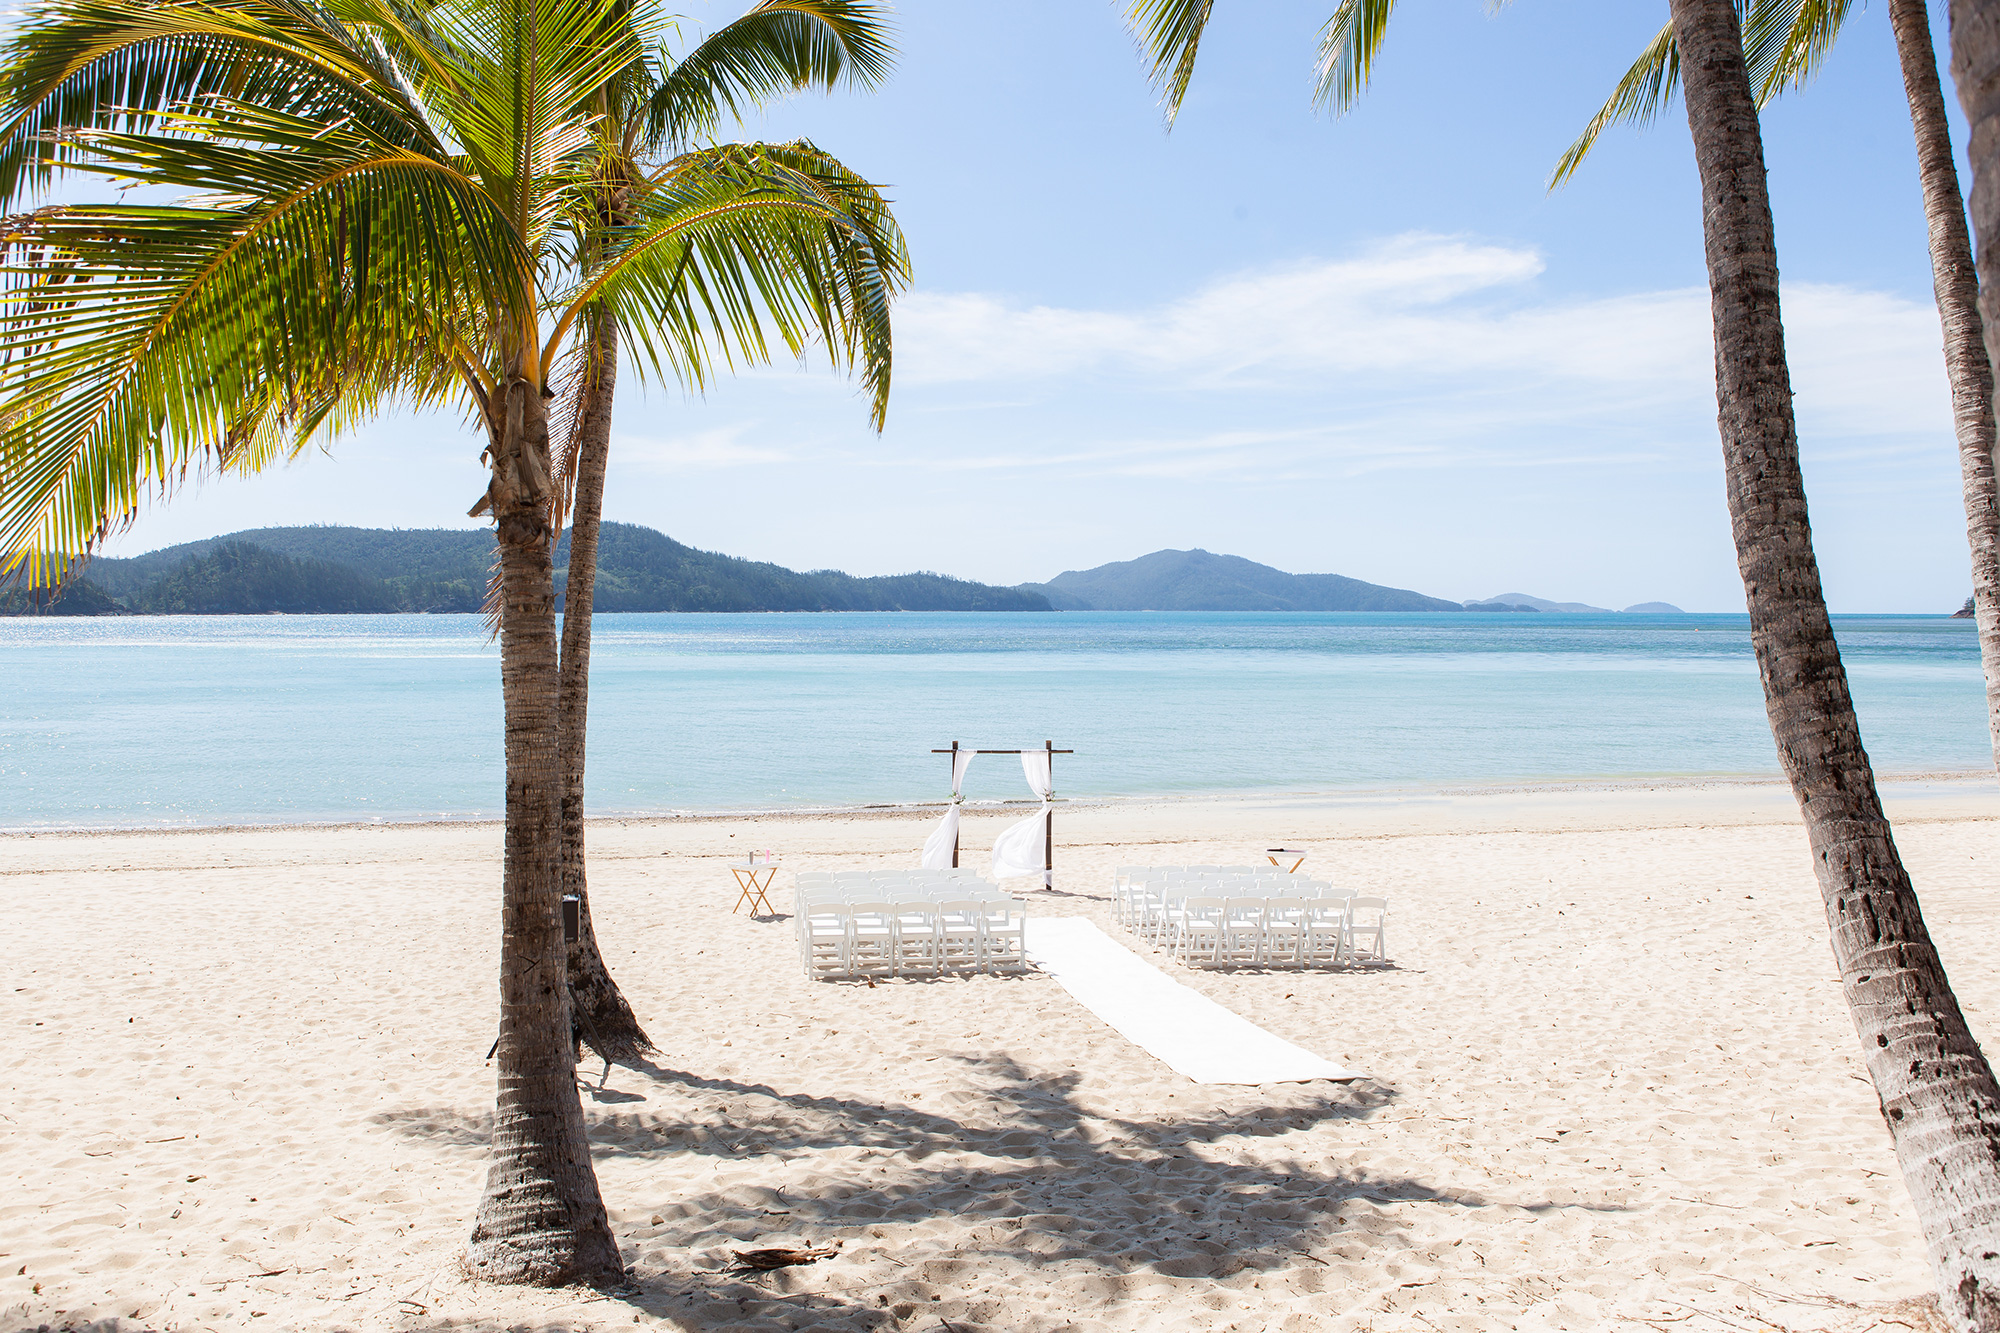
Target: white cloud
(1419, 354)
(1434, 337)
(719, 448)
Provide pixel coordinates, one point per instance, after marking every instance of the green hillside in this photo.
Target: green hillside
(238, 579)
(1203, 581)
(639, 569)
(79, 597)
(338, 570)
(436, 569)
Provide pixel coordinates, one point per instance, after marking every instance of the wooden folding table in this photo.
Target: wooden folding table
(755, 883)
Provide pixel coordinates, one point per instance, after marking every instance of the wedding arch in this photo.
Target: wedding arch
(1014, 851)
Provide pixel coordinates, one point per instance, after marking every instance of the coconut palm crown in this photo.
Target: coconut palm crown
(372, 204)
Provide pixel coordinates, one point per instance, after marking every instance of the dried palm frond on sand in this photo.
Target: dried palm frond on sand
(782, 1257)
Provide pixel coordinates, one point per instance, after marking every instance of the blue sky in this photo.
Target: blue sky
(1374, 346)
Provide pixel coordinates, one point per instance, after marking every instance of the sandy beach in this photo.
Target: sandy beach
(1612, 1083)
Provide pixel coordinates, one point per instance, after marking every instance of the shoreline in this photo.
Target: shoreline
(1929, 782)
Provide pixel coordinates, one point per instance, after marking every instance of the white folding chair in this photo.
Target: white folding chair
(1121, 892)
(1242, 931)
(871, 942)
(961, 937)
(916, 936)
(1284, 931)
(1325, 931)
(1366, 920)
(1198, 930)
(1169, 906)
(1003, 927)
(1149, 902)
(824, 936)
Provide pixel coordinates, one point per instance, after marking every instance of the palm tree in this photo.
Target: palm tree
(1785, 41)
(372, 209)
(1938, 1095)
(778, 47)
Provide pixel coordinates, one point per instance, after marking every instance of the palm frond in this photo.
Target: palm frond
(1640, 96)
(1348, 46)
(141, 344)
(526, 68)
(1784, 44)
(117, 64)
(778, 48)
(572, 376)
(1169, 33)
(734, 244)
(1786, 41)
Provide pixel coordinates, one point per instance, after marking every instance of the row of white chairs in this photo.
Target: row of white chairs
(1212, 931)
(910, 936)
(1243, 915)
(1139, 895)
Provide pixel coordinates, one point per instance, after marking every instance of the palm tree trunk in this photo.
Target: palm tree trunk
(1938, 1095)
(541, 1219)
(607, 1021)
(1956, 282)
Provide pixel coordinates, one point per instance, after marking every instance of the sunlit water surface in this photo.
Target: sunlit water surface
(143, 721)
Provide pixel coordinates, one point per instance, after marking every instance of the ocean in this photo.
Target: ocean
(191, 721)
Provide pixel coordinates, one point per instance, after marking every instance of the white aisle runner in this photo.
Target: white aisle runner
(1185, 1029)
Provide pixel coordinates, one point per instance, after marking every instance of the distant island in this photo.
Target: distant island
(375, 571)
(1203, 581)
(1520, 601)
(335, 570)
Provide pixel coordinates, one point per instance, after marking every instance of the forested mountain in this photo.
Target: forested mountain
(639, 569)
(239, 579)
(348, 570)
(421, 569)
(1203, 581)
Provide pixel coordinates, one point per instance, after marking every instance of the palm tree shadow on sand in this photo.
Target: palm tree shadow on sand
(1020, 1178)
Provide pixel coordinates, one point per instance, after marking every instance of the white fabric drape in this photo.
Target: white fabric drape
(1022, 849)
(937, 847)
(1035, 764)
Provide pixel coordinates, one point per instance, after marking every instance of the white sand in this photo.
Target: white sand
(1612, 1080)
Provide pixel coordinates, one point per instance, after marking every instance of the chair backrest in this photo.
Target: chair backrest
(1246, 910)
(961, 914)
(1284, 911)
(1003, 914)
(823, 916)
(1201, 907)
(1326, 911)
(874, 917)
(1367, 913)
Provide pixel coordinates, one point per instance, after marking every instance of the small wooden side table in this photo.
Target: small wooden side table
(1297, 857)
(755, 883)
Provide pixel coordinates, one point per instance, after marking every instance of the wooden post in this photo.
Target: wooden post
(1049, 824)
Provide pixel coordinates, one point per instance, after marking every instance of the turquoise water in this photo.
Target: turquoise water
(135, 722)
